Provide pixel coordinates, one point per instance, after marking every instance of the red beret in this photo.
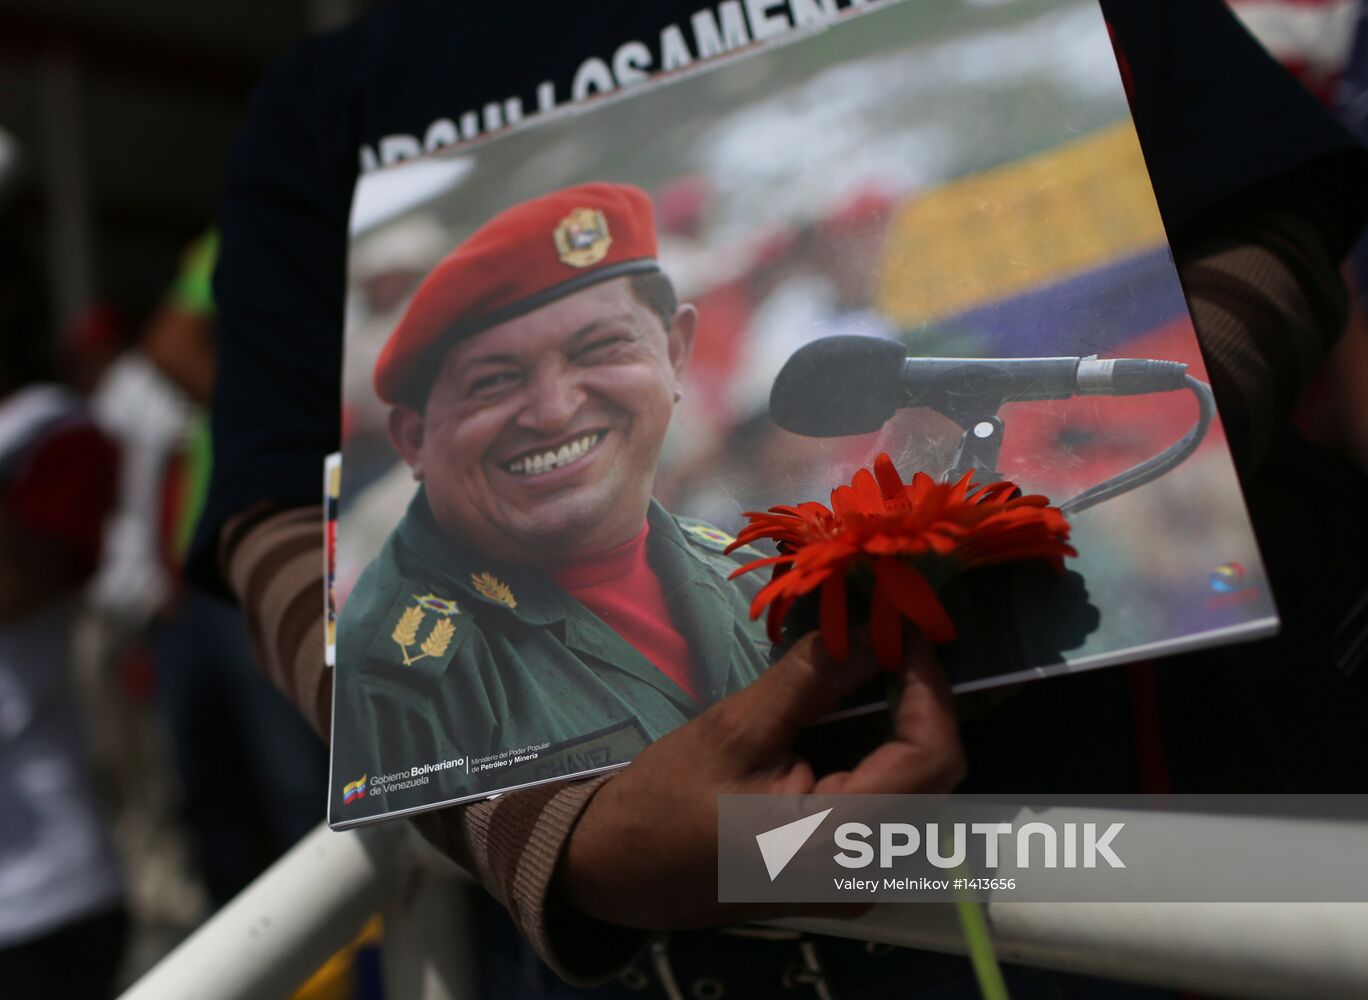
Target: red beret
(523, 258)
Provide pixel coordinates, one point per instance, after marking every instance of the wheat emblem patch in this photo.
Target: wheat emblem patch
(490, 586)
(410, 625)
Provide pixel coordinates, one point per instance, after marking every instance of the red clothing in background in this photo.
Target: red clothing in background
(64, 487)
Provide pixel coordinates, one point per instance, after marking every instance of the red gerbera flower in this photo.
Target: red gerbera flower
(899, 542)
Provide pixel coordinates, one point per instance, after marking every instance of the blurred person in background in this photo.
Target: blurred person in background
(137, 408)
(62, 920)
(827, 290)
(250, 772)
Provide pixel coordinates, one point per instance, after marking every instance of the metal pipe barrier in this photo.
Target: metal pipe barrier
(316, 898)
(312, 903)
(1261, 951)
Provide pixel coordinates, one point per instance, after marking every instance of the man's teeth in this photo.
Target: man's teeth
(530, 465)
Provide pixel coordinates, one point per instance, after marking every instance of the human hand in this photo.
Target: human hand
(645, 851)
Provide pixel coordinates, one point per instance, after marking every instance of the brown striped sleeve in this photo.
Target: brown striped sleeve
(514, 843)
(273, 560)
(1263, 284)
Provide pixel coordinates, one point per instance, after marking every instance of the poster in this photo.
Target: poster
(565, 384)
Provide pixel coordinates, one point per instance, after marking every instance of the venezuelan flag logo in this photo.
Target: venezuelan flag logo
(1227, 578)
(355, 790)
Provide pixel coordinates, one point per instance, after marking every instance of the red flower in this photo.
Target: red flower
(904, 539)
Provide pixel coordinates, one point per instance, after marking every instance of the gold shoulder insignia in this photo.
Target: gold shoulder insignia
(405, 634)
(490, 586)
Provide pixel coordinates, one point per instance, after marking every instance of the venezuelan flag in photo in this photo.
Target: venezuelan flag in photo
(355, 790)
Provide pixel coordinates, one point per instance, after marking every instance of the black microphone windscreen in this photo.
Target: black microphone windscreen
(838, 386)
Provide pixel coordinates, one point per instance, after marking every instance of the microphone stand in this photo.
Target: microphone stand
(978, 449)
(982, 439)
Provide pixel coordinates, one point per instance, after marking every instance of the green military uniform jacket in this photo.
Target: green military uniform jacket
(457, 676)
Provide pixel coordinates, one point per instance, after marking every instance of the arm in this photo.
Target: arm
(513, 844)
(181, 344)
(179, 339)
(554, 854)
(645, 851)
(1262, 279)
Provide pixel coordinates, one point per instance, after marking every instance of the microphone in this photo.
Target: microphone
(853, 385)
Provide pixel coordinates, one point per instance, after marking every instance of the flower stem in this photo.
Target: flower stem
(981, 954)
(893, 685)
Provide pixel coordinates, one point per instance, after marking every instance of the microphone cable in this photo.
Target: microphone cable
(1154, 467)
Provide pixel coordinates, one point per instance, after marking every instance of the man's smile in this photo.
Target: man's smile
(545, 459)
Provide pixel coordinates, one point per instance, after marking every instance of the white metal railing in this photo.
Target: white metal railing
(1264, 951)
(313, 901)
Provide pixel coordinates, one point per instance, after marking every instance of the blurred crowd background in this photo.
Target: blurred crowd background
(147, 772)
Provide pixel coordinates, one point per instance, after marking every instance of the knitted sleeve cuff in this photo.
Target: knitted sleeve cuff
(514, 844)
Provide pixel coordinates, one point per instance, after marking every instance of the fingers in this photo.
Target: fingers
(925, 754)
(755, 729)
(925, 713)
(899, 769)
(801, 687)
(832, 784)
(799, 779)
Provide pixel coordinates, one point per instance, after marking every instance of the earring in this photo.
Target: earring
(678, 395)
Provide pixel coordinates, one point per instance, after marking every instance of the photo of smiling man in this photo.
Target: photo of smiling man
(561, 342)
(535, 613)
